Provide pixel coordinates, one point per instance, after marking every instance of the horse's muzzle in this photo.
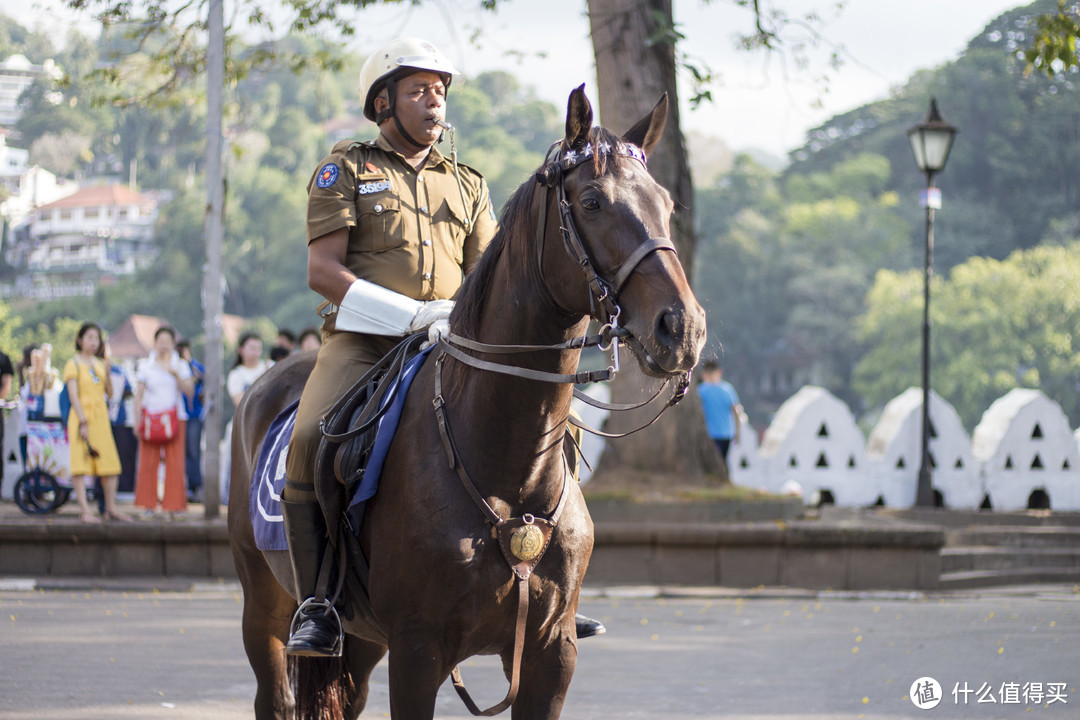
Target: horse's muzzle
(675, 342)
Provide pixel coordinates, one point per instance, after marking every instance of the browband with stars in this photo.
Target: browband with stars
(571, 158)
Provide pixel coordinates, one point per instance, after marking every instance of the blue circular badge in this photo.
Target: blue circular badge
(327, 175)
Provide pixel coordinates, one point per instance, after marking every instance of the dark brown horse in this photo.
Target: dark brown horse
(440, 585)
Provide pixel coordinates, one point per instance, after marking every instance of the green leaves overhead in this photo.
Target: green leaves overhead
(1053, 50)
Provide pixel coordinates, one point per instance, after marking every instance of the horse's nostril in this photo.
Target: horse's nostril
(668, 328)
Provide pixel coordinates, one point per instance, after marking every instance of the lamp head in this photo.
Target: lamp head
(931, 140)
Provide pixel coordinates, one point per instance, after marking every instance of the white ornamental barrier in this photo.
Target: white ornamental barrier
(814, 442)
(1022, 454)
(1028, 452)
(894, 453)
(744, 462)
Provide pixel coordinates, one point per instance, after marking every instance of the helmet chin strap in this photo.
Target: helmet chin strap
(391, 112)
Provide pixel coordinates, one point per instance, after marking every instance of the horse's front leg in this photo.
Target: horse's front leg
(546, 674)
(416, 672)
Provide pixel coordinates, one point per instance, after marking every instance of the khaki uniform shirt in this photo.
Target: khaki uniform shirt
(409, 230)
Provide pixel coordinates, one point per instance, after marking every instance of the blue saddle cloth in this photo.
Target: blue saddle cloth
(269, 478)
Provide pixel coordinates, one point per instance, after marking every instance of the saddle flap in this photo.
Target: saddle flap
(523, 541)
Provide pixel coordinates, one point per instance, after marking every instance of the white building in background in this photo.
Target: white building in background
(894, 452)
(13, 161)
(94, 235)
(17, 73)
(34, 187)
(1027, 447)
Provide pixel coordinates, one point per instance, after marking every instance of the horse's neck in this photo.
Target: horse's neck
(519, 424)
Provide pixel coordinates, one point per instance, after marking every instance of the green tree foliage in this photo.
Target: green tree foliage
(503, 129)
(788, 260)
(14, 38)
(1017, 143)
(998, 325)
(788, 270)
(1053, 51)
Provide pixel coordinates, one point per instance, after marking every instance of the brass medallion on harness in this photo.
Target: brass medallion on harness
(527, 542)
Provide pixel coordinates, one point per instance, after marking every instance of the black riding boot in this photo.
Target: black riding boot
(587, 627)
(316, 627)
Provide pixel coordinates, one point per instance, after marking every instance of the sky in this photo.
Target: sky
(760, 103)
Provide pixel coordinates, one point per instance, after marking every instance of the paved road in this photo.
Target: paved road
(78, 654)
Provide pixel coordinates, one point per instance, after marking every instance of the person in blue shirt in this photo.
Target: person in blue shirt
(196, 413)
(721, 405)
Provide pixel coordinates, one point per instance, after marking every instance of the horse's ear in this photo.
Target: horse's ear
(578, 117)
(647, 131)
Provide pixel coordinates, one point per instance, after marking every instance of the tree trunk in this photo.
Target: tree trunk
(634, 67)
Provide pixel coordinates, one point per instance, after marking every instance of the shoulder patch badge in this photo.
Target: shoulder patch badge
(328, 175)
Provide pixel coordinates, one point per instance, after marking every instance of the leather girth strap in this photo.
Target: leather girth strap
(523, 541)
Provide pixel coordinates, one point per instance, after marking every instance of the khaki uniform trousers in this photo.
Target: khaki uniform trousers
(343, 359)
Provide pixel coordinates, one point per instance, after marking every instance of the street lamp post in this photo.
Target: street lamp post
(931, 141)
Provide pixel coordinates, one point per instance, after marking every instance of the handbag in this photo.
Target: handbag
(159, 428)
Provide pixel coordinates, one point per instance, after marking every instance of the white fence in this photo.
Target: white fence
(1022, 454)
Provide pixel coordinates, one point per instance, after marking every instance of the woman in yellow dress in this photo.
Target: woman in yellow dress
(93, 450)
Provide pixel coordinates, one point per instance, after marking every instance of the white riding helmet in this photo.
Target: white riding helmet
(398, 54)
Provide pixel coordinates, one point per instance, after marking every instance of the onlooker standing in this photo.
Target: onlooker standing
(6, 373)
(721, 405)
(24, 395)
(310, 339)
(285, 339)
(92, 449)
(247, 368)
(120, 417)
(162, 379)
(196, 414)
(279, 353)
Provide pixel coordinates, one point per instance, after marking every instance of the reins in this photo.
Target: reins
(524, 540)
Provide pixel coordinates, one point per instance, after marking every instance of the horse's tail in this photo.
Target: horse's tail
(322, 687)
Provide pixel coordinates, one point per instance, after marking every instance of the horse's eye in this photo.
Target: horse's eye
(590, 203)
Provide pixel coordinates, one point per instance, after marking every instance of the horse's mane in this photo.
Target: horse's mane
(515, 236)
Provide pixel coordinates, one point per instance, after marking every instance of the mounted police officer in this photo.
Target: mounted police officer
(393, 226)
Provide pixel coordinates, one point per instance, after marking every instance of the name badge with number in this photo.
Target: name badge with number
(373, 187)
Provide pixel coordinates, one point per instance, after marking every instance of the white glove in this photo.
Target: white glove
(431, 312)
(437, 329)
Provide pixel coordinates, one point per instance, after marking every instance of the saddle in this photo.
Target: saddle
(349, 430)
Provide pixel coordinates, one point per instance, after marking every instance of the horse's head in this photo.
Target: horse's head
(615, 260)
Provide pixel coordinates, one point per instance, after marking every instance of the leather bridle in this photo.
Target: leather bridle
(603, 293)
